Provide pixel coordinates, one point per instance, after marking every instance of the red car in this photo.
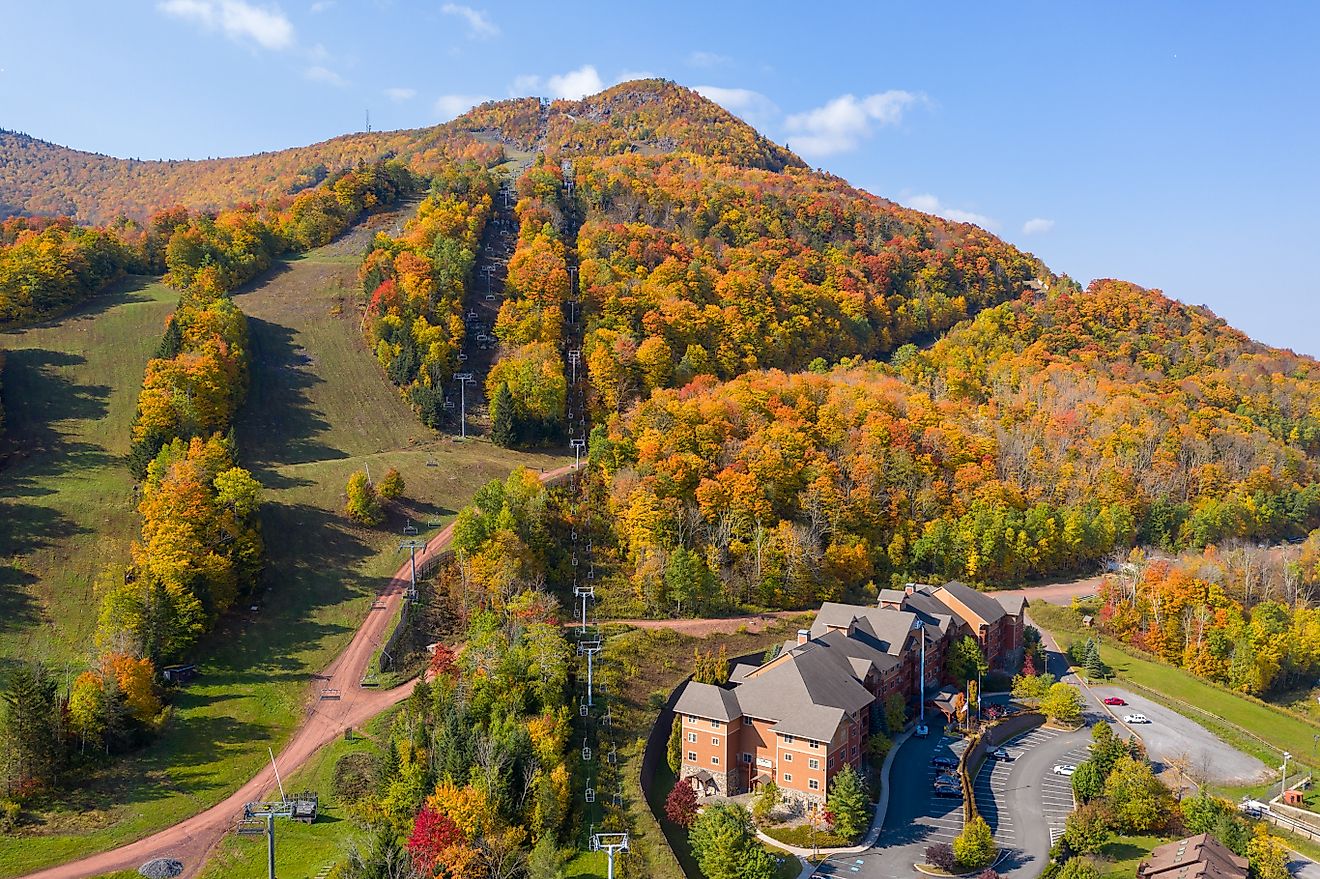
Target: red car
(1114, 700)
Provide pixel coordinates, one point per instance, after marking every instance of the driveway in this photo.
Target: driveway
(1171, 737)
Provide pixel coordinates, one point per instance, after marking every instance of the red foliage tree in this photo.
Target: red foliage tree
(433, 833)
(681, 805)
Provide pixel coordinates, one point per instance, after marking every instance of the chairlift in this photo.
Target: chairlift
(586, 751)
(461, 357)
(591, 795)
(449, 404)
(490, 297)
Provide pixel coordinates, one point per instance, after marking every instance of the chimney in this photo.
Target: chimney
(909, 588)
(803, 636)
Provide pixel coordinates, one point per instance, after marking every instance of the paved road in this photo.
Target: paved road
(193, 839)
(1170, 736)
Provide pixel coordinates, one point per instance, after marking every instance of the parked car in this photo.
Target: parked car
(1254, 808)
(948, 790)
(921, 731)
(1135, 718)
(1115, 700)
(1001, 754)
(946, 776)
(1065, 769)
(944, 760)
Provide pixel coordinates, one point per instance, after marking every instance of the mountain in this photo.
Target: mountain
(647, 116)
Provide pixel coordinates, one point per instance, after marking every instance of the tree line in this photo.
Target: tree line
(527, 385)
(416, 284)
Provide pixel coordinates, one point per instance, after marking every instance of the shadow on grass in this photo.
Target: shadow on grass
(122, 292)
(278, 424)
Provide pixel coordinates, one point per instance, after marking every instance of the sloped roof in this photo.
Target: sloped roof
(890, 628)
(1196, 856)
(814, 677)
(708, 701)
(815, 722)
(930, 610)
(977, 602)
(1012, 604)
(740, 672)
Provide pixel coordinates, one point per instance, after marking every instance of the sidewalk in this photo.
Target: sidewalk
(872, 835)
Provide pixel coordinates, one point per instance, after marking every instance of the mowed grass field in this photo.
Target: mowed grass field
(318, 409)
(67, 503)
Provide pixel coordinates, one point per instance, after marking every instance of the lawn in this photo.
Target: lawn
(641, 667)
(301, 850)
(1118, 858)
(1250, 725)
(319, 408)
(69, 510)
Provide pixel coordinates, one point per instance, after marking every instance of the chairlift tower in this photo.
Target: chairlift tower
(573, 357)
(579, 446)
(589, 649)
(462, 378)
(583, 593)
(611, 844)
(270, 810)
(412, 546)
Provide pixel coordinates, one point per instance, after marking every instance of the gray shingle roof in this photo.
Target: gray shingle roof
(708, 701)
(891, 628)
(978, 602)
(1012, 604)
(814, 677)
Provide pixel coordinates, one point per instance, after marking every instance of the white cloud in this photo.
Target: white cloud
(317, 73)
(448, 106)
(844, 122)
(750, 105)
(267, 27)
(707, 59)
(929, 204)
(570, 86)
(321, 6)
(480, 27)
(1037, 226)
(399, 94)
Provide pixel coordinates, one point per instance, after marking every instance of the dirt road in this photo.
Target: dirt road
(191, 840)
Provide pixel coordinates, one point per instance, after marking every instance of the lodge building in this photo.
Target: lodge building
(800, 717)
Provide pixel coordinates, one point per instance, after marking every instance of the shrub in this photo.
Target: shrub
(363, 503)
(766, 801)
(940, 856)
(681, 805)
(974, 848)
(391, 485)
(354, 776)
(1078, 868)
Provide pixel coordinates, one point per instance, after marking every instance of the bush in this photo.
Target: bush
(10, 811)
(355, 776)
(363, 503)
(1078, 868)
(974, 848)
(940, 856)
(681, 804)
(391, 485)
(766, 801)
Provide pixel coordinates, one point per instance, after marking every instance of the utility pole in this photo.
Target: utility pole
(921, 709)
(589, 649)
(1283, 783)
(412, 546)
(462, 378)
(610, 843)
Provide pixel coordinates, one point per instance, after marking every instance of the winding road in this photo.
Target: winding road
(191, 840)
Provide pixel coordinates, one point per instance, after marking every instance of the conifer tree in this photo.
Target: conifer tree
(503, 430)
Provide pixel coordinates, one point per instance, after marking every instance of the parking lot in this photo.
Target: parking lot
(996, 776)
(942, 815)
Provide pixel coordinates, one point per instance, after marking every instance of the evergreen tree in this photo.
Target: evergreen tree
(32, 731)
(674, 750)
(503, 425)
(725, 844)
(974, 848)
(1095, 667)
(849, 803)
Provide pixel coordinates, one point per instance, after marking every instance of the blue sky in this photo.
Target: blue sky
(1169, 144)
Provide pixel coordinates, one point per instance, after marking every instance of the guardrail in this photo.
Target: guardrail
(969, 765)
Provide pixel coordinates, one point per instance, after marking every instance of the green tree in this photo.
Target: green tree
(767, 798)
(1088, 828)
(1140, 802)
(687, 579)
(1078, 868)
(1031, 688)
(1088, 782)
(1106, 749)
(1062, 703)
(850, 804)
(974, 848)
(724, 843)
(1091, 662)
(674, 750)
(391, 485)
(1201, 812)
(965, 660)
(363, 504)
(32, 734)
(895, 713)
(546, 861)
(503, 427)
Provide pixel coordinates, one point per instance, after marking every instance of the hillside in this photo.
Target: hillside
(41, 178)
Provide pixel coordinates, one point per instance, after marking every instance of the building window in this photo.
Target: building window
(691, 719)
(854, 751)
(813, 784)
(814, 744)
(747, 758)
(788, 758)
(747, 721)
(788, 777)
(715, 724)
(788, 740)
(813, 763)
(692, 756)
(714, 761)
(714, 741)
(692, 737)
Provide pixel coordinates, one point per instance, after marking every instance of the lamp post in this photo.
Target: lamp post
(1283, 783)
(462, 378)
